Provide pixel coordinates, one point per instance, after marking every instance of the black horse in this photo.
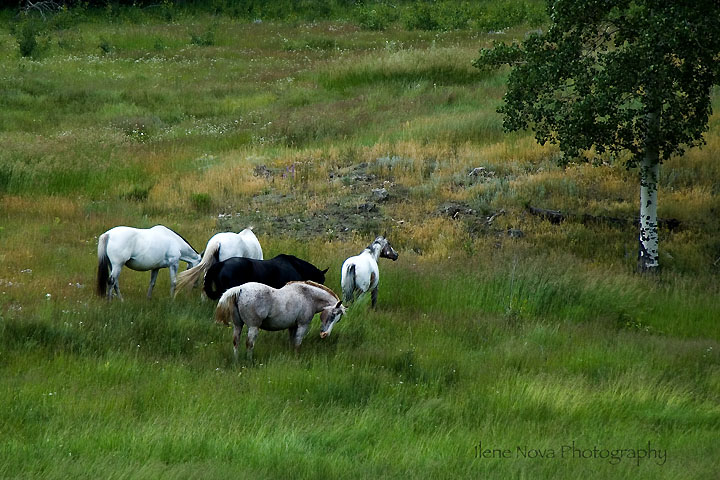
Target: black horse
(275, 272)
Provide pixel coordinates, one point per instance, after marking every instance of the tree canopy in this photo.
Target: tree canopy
(604, 67)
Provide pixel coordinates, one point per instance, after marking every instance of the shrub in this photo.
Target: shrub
(376, 17)
(105, 46)
(206, 39)
(453, 15)
(66, 18)
(26, 34)
(422, 17)
(508, 14)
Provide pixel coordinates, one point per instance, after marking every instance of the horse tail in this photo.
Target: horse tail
(192, 275)
(210, 286)
(103, 269)
(226, 306)
(348, 285)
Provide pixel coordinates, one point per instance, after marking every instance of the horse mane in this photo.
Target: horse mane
(183, 238)
(369, 247)
(318, 285)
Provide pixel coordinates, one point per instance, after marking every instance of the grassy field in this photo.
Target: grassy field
(503, 346)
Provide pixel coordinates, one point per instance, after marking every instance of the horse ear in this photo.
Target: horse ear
(325, 271)
(385, 234)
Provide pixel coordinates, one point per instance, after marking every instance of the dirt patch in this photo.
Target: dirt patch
(355, 213)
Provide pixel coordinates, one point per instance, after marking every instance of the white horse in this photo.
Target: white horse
(291, 307)
(140, 249)
(220, 247)
(360, 273)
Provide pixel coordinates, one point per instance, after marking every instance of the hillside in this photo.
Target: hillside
(496, 325)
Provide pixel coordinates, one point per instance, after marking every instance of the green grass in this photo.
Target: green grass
(139, 117)
(150, 388)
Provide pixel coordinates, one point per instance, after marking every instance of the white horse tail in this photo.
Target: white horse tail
(103, 270)
(226, 306)
(348, 286)
(192, 275)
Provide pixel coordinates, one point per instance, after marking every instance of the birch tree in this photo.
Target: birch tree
(621, 76)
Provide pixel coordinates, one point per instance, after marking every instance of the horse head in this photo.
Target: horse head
(329, 317)
(386, 249)
(307, 270)
(321, 275)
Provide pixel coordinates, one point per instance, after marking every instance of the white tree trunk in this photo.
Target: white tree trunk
(648, 252)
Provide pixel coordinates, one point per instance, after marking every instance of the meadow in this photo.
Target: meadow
(502, 346)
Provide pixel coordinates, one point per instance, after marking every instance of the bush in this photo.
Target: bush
(66, 18)
(454, 15)
(105, 46)
(422, 17)
(508, 14)
(26, 35)
(206, 39)
(376, 17)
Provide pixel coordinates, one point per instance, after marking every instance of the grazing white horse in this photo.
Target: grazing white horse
(360, 273)
(140, 249)
(220, 247)
(291, 307)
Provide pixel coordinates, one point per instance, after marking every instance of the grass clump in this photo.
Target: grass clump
(205, 39)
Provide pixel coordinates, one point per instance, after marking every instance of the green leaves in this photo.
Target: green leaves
(603, 66)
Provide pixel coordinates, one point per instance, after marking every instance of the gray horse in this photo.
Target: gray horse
(291, 307)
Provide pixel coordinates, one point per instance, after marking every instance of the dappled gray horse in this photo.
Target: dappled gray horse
(291, 307)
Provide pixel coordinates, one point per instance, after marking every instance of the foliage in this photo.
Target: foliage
(376, 16)
(205, 39)
(420, 18)
(373, 15)
(601, 68)
(105, 46)
(27, 32)
(501, 15)
(621, 77)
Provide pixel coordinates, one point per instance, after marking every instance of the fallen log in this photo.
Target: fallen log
(556, 217)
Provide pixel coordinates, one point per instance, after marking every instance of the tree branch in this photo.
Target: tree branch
(41, 6)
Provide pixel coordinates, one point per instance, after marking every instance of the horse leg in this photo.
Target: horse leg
(237, 331)
(153, 277)
(299, 335)
(173, 267)
(114, 283)
(250, 341)
(291, 334)
(373, 295)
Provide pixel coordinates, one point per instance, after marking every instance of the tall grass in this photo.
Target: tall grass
(151, 387)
